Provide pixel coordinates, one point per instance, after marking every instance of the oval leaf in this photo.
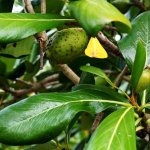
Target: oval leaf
(42, 117)
(116, 132)
(107, 90)
(14, 27)
(140, 31)
(98, 72)
(20, 48)
(93, 15)
(139, 63)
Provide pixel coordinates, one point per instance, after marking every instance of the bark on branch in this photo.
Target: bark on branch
(110, 46)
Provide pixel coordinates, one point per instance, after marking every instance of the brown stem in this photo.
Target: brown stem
(126, 78)
(110, 28)
(50, 80)
(41, 37)
(121, 75)
(133, 100)
(138, 4)
(68, 72)
(108, 44)
(41, 53)
(35, 88)
(29, 6)
(24, 82)
(43, 6)
(96, 122)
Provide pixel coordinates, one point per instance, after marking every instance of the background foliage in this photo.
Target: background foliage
(106, 107)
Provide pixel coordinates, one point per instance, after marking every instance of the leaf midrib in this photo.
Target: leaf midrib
(35, 19)
(106, 101)
(116, 127)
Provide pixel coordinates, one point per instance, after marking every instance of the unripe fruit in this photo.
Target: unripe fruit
(100, 81)
(146, 4)
(66, 45)
(144, 81)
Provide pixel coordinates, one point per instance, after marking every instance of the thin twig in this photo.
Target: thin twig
(43, 6)
(126, 78)
(37, 86)
(41, 53)
(68, 72)
(121, 75)
(96, 122)
(24, 82)
(110, 72)
(108, 44)
(110, 28)
(41, 37)
(138, 4)
(29, 6)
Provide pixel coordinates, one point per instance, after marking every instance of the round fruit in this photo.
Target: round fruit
(100, 81)
(66, 45)
(146, 4)
(144, 81)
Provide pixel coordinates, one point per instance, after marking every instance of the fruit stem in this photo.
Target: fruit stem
(133, 101)
(68, 72)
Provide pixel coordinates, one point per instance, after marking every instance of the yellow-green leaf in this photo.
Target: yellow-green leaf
(93, 15)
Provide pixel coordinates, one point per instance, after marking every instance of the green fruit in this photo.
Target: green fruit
(66, 45)
(100, 81)
(146, 4)
(144, 81)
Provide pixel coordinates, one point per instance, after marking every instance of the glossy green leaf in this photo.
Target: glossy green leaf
(18, 70)
(107, 90)
(140, 31)
(138, 66)
(94, 15)
(98, 72)
(8, 62)
(14, 27)
(20, 48)
(116, 132)
(42, 117)
(53, 6)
